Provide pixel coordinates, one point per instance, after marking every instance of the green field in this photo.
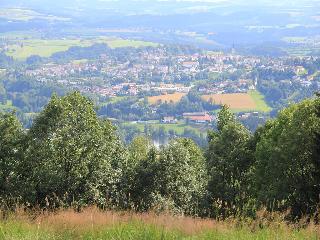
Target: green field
(316, 74)
(261, 104)
(43, 48)
(24, 48)
(116, 99)
(178, 127)
(303, 73)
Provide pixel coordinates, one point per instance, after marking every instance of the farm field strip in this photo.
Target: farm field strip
(43, 48)
(251, 101)
(174, 97)
(233, 100)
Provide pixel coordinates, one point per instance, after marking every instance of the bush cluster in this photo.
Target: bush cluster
(71, 158)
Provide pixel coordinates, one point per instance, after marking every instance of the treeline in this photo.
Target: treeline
(133, 109)
(159, 135)
(70, 157)
(26, 96)
(121, 54)
(277, 87)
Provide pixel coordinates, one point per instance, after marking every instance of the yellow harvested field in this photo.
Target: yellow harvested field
(233, 100)
(174, 97)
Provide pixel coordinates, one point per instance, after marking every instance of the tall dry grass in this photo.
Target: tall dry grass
(95, 223)
(94, 218)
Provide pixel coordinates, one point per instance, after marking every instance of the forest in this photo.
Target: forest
(71, 158)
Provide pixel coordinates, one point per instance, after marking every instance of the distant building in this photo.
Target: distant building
(198, 117)
(233, 49)
(300, 70)
(245, 116)
(169, 119)
(306, 83)
(190, 64)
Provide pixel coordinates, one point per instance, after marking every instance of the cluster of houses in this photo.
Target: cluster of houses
(205, 118)
(53, 70)
(228, 86)
(158, 70)
(133, 89)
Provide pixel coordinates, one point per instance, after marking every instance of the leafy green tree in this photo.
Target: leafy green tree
(138, 149)
(73, 157)
(182, 176)
(287, 169)
(146, 181)
(137, 152)
(3, 94)
(34, 60)
(11, 143)
(229, 160)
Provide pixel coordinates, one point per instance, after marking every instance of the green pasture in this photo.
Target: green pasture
(261, 105)
(178, 127)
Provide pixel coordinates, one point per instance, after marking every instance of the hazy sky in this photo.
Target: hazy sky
(121, 4)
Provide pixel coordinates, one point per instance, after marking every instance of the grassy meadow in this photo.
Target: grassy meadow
(94, 224)
(258, 98)
(43, 48)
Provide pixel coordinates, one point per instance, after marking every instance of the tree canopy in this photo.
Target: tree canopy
(71, 158)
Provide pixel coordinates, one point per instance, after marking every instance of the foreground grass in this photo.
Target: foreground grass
(94, 224)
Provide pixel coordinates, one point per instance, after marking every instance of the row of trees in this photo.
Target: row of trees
(70, 157)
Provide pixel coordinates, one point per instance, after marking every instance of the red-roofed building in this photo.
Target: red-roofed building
(201, 117)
